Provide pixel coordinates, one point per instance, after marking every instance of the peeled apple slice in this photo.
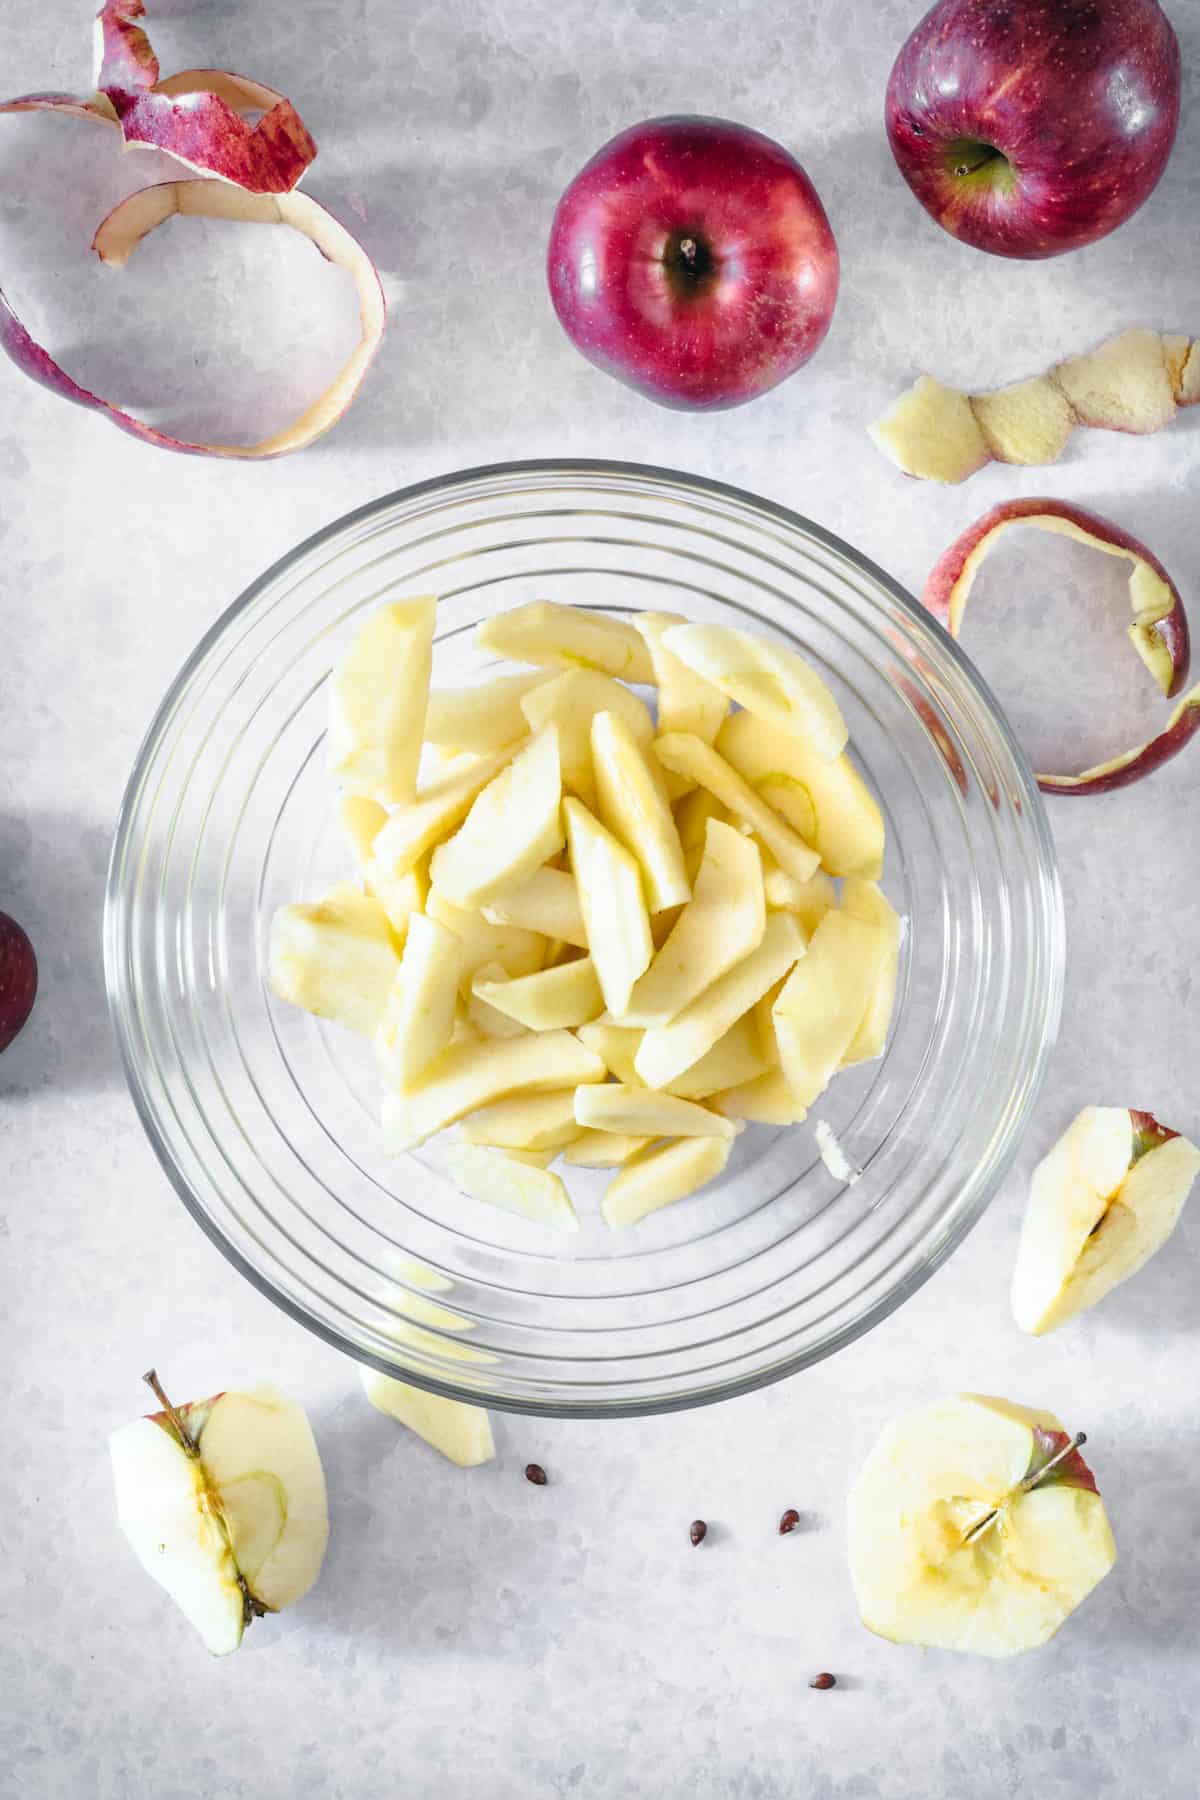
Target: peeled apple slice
(632, 802)
(835, 810)
(514, 1186)
(567, 637)
(550, 1000)
(661, 1177)
(461, 1433)
(548, 903)
(608, 1149)
(513, 827)
(864, 900)
(418, 1019)
(336, 959)
(825, 999)
(614, 908)
(529, 1122)
(686, 701)
(687, 755)
(639, 1112)
(769, 680)
(768, 1100)
(483, 718)
(437, 811)
(377, 698)
(470, 1075)
(571, 701)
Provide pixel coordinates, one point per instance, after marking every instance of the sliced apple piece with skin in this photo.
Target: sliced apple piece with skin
(661, 1177)
(722, 924)
(223, 1501)
(1105, 1199)
(501, 949)
(1159, 632)
(608, 1149)
(567, 637)
(768, 1100)
(460, 1433)
(864, 900)
(377, 698)
(473, 1074)
(513, 827)
(481, 719)
(614, 908)
(528, 1122)
(632, 801)
(551, 1000)
(571, 701)
(847, 826)
(336, 958)
(503, 1180)
(668, 1050)
(434, 815)
(686, 700)
(975, 1525)
(639, 1112)
(418, 1019)
(769, 680)
(825, 999)
(688, 756)
(548, 903)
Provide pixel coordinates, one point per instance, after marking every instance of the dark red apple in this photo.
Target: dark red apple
(692, 259)
(18, 979)
(1031, 127)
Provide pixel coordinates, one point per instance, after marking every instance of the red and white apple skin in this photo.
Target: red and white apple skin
(18, 979)
(692, 259)
(1159, 632)
(1031, 127)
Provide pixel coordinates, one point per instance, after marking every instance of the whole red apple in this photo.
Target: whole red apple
(692, 259)
(18, 979)
(1031, 127)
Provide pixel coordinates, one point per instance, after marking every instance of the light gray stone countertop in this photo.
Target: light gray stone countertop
(472, 1635)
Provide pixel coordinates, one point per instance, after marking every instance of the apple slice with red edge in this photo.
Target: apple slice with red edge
(1159, 632)
(18, 979)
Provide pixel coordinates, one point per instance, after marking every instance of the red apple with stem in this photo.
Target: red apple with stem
(692, 259)
(1031, 127)
(18, 979)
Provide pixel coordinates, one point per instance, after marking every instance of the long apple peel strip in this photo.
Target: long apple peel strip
(143, 212)
(1159, 632)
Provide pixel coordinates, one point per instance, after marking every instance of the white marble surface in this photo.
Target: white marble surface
(472, 1635)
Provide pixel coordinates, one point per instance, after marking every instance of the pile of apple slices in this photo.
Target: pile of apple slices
(583, 928)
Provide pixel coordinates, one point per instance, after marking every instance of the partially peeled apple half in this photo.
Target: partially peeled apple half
(1158, 631)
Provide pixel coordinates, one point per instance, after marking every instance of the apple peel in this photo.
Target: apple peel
(1159, 632)
(140, 214)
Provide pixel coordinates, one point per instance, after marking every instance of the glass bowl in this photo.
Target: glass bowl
(266, 1119)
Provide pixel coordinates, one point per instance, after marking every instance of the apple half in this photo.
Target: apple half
(1159, 631)
(1104, 1200)
(975, 1525)
(223, 1501)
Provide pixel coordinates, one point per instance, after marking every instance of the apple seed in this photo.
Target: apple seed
(789, 1521)
(698, 1531)
(823, 1680)
(535, 1473)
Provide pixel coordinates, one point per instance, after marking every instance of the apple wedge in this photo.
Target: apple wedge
(975, 1525)
(503, 950)
(667, 1050)
(553, 999)
(362, 820)
(767, 1100)
(336, 958)
(736, 1057)
(825, 1000)
(686, 700)
(828, 804)
(434, 815)
(571, 701)
(616, 1046)
(864, 900)
(470, 1075)
(547, 903)
(460, 1433)
(418, 1019)
(480, 719)
(614, 908)
(503, 1180)
(1104, 1200)
(513, 827)
(223, 1502)
(769, 680)
(808, 901)
(660, 1177)
(567, 637)
(687, 755)
(609, 1149)
(528, 1122)
(485, 1020)
(632, 801)
(639, 1112)
(377, 698)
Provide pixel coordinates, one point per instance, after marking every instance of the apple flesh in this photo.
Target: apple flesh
(1159, 632)
(692, 259)
(975, 1525)
(1035, 127)
(1105, 1199)
(460, 1433)
(223, 1501)
(18, 979)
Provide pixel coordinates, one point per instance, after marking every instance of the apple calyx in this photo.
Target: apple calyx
(252, 1607)
(1148, 1135)
(1055, 1462)
(971, 156)
(1159, 631)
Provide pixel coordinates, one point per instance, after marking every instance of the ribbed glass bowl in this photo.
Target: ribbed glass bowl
(266, 1120)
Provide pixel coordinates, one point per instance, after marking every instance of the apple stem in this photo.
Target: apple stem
(1028, 1484)
(185, 1437)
